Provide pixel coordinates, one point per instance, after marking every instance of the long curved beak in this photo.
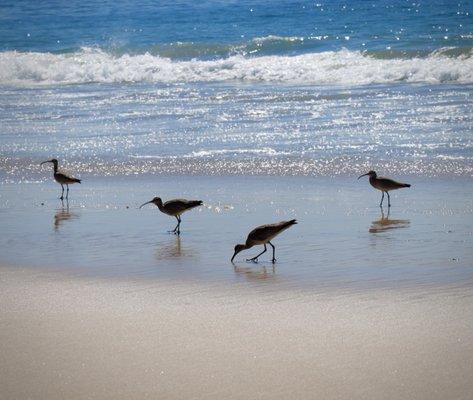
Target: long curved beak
(361, 176)
(44, 162)
(145, 203)
(234, 255)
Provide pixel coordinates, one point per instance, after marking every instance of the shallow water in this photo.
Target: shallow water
(222, 129)
(342, 241)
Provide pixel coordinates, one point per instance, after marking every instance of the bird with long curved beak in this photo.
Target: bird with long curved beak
(62, 178)
(384, 184)
(174, 208)
(263, 235)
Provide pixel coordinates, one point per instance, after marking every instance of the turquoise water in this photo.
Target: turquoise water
(213, 29)
(357, 42)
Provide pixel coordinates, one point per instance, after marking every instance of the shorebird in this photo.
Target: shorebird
(174, 208)
(262, 235)
(62, 178)
(384, 184)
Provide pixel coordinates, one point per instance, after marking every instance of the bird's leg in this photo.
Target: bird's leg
(382, 198)
(389, 200)
(274, 253)
(62, 193)
(67, 193)
(255, 258)
(176, 227)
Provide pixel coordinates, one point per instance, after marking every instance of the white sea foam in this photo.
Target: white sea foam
(341, 67)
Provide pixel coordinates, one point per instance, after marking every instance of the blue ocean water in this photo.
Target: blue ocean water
(215, 28)
(246, 87)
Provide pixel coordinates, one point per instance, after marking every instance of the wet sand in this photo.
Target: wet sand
(342, 241)
(77, 338)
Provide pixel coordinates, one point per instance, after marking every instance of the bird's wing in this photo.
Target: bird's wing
(390, 183)
(64, 175)
(178, 205)
(263, 232)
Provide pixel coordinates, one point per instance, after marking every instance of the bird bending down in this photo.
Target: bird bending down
(384, 184)
(62, 178)
(174, 208)
(262, 235)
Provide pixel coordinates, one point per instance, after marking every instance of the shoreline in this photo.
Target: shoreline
(311, 167)
(251, 278)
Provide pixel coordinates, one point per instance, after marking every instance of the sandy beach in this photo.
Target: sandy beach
(261, 112)
(81, 338)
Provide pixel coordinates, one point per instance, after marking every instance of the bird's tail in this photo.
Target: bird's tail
(291, 222)
(195, 203)
(406, 185)
(77, 180)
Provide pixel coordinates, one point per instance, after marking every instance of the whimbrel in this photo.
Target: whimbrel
(262, 235)
(62, 178)
(384, 184)
(174, 208)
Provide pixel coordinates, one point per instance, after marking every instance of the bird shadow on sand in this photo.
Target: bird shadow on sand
(385, 223)
(63, 214)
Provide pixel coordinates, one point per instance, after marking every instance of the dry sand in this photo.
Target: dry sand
(64, 337)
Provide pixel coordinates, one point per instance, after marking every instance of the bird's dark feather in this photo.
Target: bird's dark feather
(262, 232)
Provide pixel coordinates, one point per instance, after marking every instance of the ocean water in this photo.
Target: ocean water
(236, 87)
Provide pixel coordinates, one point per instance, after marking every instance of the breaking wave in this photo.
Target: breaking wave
(344, 67)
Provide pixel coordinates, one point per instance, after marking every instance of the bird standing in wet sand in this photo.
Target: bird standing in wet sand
(174, 208)
(384, 184)
(262, 235)
(62, 178)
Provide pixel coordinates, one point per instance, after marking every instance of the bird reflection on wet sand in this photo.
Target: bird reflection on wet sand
(63, 214)
(385, 224)
(256, 274)
(172, 249)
